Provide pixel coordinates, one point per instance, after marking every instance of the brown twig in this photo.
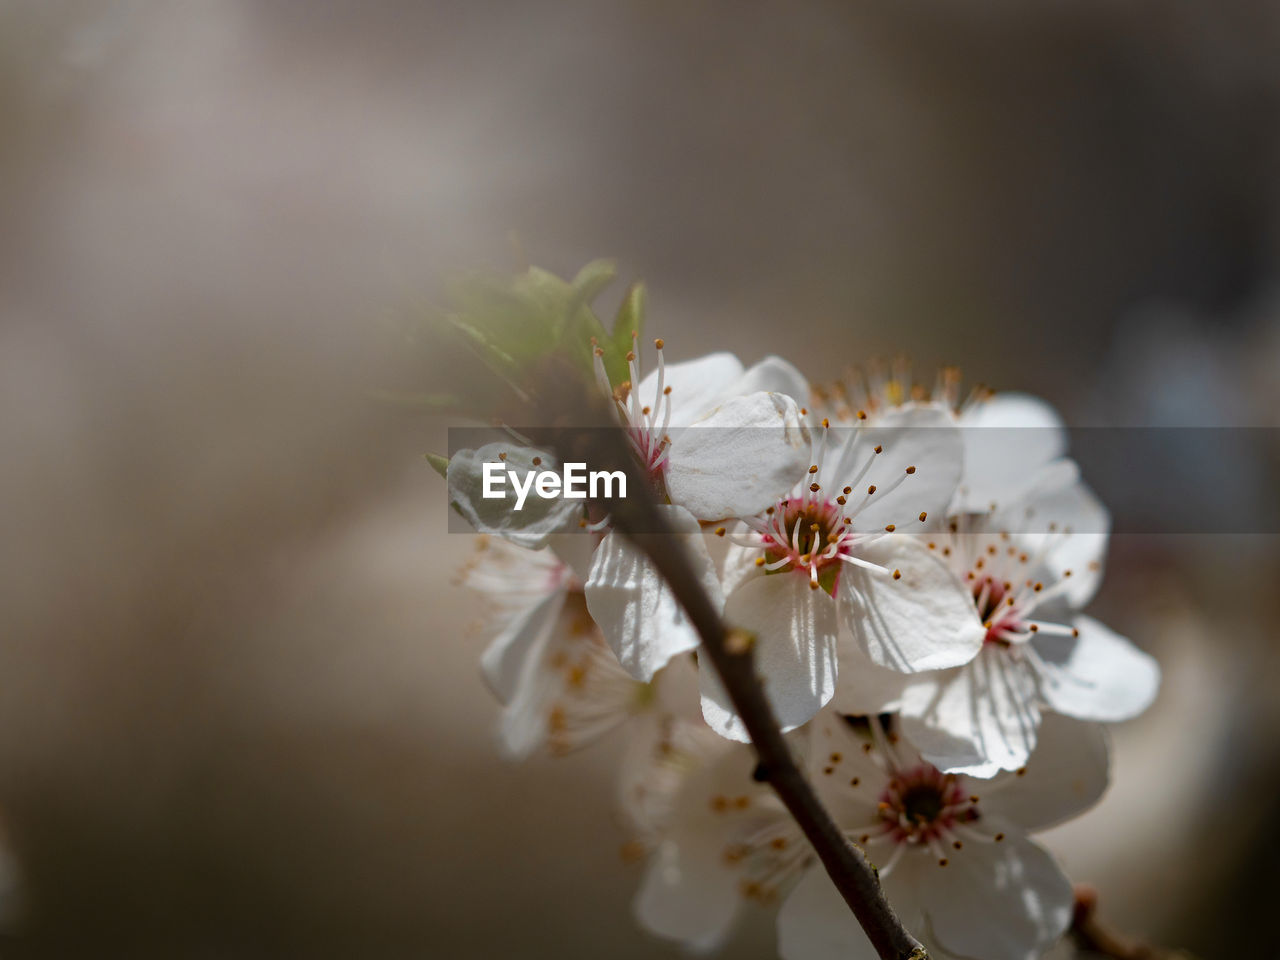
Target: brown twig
(1096, 937)
(733, 659)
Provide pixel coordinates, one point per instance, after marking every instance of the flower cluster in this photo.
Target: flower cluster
(911, 566)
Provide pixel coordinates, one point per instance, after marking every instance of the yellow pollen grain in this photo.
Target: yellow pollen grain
(658, 343)
(910, 470)
(889, 528)
(923, 515)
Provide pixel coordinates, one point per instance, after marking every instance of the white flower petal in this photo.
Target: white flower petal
(1007, 440)
(774, 375)
(660, 752)
(998, 901)
(638, 614)
(739, 561)
(676, 692)
(696, 385)
(863, 687)
(740, 458)
(1041, 520)
(575, 550)
(570, 690)
(922, 436)
(815, 923)
(505, 658)
(690, 892)
(1098, 675)
(979, 719)
(529, 526)
(924, 620)
(795, 651)
(835, 755)
(1066, 775)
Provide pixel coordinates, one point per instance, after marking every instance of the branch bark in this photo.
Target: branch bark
(1097, 938)
(733, 659)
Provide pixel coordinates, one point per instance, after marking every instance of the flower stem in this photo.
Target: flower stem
(1096, 937)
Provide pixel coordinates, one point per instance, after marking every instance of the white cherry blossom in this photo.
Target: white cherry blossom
(1008, 437)
(546, 661)
(737, 447)
(1039, 652)
(953, 853)
(716, 439)
(829, 557)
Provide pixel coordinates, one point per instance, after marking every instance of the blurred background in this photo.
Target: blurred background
(240, 713)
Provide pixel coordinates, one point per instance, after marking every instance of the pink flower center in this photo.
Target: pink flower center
(809, 533)
(992, 598)
(920, 805)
